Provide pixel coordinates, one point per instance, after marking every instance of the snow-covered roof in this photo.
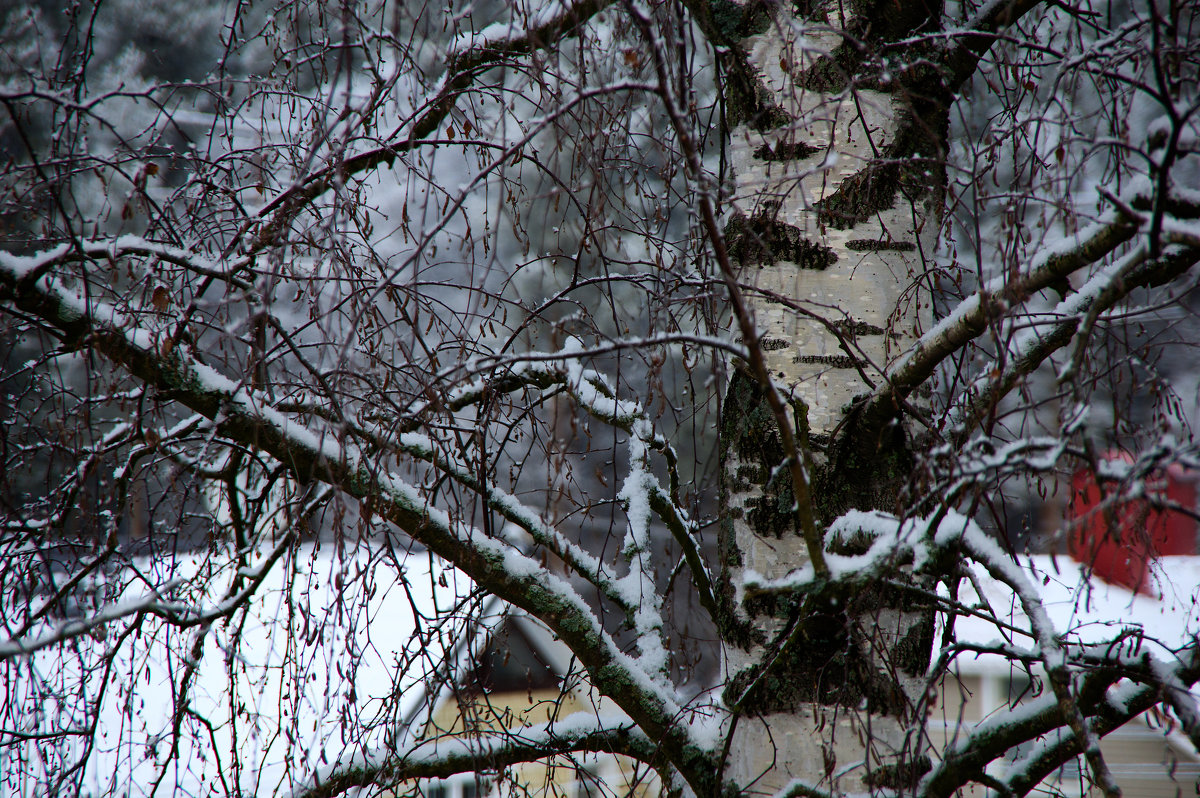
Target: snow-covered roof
(1087, 609)
(498, 618)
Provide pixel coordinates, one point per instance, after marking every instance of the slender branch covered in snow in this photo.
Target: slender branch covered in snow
(153, 603)
(1100, 293)
(463, 67)
(443, 756)
(242, 414)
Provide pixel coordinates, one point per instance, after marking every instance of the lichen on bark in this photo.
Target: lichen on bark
(827, 652)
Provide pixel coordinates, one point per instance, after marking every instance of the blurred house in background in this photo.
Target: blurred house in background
(513, 675)
(1149, 757)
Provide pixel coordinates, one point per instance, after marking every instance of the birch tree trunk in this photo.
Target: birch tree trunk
(836, 209)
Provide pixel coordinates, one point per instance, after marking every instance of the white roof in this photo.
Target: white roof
(1087, 609)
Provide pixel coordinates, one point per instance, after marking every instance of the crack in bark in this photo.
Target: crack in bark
(873, 188)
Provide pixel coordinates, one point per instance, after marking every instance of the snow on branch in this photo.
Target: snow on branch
(151, 603)
(890, 542)
(796, 456)
(998, 296)
(244, 415)
(444, 756)
(466, 61)
(1045, 336)
(1107, 702)
(971, 316)
(595, 396)
(581, 561)
(32, 267)
(488, 375)
(177, 613)
(1095, 687)
(1069, 696)
(593, 393)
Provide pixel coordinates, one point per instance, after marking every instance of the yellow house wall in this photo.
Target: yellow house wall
(1144, 762)
(498, 711)
(552, 778)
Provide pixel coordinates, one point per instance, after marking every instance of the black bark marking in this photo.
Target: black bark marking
(764, 240)
(736, 21)
(877, 245)
(874, 23)
(833, 361)
(749, 434)
(749, 101)
(863, 194)
(854, 328)
(785, 151)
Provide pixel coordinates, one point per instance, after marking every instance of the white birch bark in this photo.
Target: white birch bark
(863, 285)
(868, 290)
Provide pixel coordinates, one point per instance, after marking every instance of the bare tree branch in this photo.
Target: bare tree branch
(441, 757)
(241, 414)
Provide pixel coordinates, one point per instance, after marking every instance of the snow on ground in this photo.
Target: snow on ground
(332, 640)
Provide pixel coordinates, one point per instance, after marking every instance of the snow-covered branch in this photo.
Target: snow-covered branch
(1106, 703)
(465, 63)
(31, 268)
(242, 414)
(970, 317)
(154, 603)
(441, 757)
(1101, 292)
(594, 396)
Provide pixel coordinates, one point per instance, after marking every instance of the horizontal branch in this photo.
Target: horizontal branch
(122, 247)
(987, 741)
(591, 393)
(1107, 717)
(443, 757)
(77, 627)
(176, 613)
